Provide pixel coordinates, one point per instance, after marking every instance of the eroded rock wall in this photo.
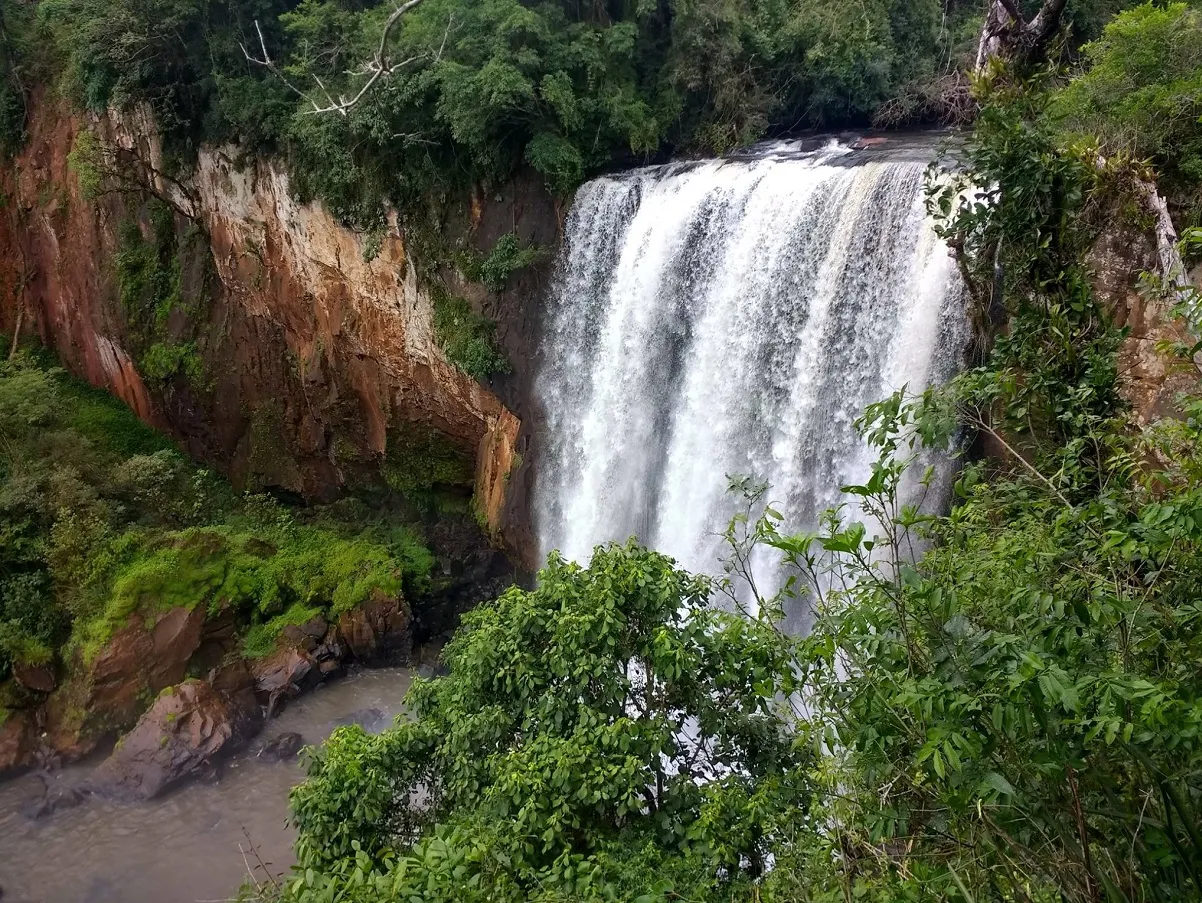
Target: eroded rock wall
(313, 348)
(1151, 378)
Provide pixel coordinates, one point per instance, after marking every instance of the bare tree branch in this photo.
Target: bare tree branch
(376, 68)
(1012, 8)
(269, 64)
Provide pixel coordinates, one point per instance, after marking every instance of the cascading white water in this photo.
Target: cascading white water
(732, 317)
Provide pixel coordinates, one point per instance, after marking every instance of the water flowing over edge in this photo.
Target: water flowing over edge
(732, 317)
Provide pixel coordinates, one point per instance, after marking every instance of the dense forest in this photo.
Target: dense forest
(1001, 702)
(479, 90)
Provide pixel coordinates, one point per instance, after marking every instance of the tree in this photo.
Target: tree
(606, 735)
(1011, 35)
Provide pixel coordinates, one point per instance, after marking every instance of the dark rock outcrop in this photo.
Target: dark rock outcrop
(108, 692)
(40, 678)
(282, 748)
(187, 730)
(378, 633)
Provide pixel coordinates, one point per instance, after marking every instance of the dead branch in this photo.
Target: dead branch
(380, 66)
(27, 273)
(12, 352)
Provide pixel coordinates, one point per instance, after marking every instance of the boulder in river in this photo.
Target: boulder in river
(282, 748)
(184, 733)
(370, 719)
(284, 673)
(52, 799)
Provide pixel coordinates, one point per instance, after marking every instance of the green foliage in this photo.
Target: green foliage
(1142, 92)
(420, 459)
(466, 336)
(506, 258)
(261, 639)
(84, 162)
(148, 271)
(102, 520)
(607, 735)
(162, 362)
(15, 28)
(1053, 375)
(182, 57)
(159, 311)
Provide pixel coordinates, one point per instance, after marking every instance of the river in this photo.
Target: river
(188, 846)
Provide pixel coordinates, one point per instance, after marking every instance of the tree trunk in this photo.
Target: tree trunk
(1006, 34)
(12, 351)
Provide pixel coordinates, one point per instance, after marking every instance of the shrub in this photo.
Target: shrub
(602, 736)
(466, 336)
(506, 258)
(163, 361)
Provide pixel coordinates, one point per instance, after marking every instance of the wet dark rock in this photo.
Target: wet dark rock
(182, 736)
(282, 748)
(285, 673)
(370, 719)
(316, 628)
(35, 677)
(297, 637)
(47, 759)
(429, 660)
(52, 800)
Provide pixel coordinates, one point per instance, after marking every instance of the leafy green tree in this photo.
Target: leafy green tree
(607, 735)
(1142, 92)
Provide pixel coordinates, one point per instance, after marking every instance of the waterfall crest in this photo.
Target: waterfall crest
(731, 317)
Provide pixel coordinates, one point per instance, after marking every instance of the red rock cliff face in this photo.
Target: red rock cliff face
(313, 353)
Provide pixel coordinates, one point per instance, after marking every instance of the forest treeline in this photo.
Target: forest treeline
(566, 87)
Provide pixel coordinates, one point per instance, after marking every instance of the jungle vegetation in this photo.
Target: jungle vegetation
(102, 519)
(1012, 714)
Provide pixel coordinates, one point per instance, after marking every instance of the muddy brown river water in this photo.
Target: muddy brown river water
(187, 847)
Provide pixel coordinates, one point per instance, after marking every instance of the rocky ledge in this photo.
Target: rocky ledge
(181, 726)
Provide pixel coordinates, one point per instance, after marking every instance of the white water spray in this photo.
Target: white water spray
(732, 317)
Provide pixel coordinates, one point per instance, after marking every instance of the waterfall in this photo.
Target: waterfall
(732, 317)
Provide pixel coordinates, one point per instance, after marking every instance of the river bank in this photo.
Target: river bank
(191, 845)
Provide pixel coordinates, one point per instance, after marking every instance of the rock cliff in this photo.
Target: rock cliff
(316, 341)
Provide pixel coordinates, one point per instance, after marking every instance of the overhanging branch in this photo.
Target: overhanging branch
(376, 68)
